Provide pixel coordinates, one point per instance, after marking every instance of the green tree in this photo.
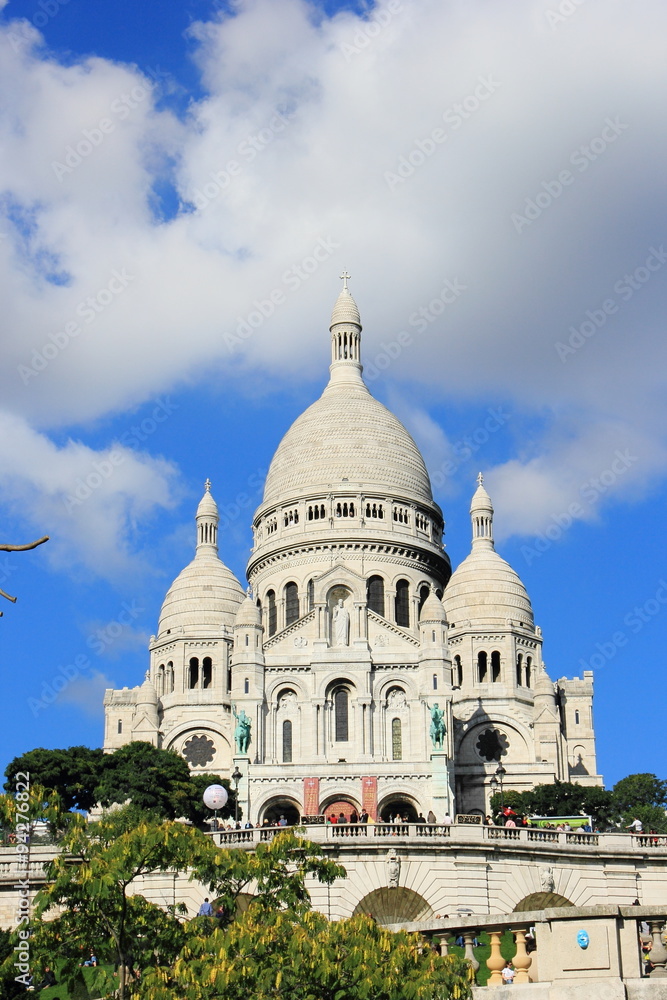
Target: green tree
(277, 870)
(639, 790)
(72, 773)
(565, 798)
(303, 956)
(95, 884)
(94, 881)
(643, 796)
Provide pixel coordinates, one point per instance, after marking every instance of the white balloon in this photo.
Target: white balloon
(215, 797)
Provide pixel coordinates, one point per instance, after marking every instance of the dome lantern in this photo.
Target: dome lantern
(345, 337)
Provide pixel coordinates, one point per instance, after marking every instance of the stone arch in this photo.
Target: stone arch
(398, 801)
(396, 680)
(541, 901)
(276, 687)
(394, 905)
(277, 806)
(334, 805)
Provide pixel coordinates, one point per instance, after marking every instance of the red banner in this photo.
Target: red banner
(369, 796)
(311, 796)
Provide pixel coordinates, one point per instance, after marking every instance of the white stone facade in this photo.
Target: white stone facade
(353, 634)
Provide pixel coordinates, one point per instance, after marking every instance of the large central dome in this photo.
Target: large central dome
(347, 439)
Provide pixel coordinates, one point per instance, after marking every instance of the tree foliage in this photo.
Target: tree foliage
(95, 887)
(155, 780)
(72, 773)
(303, 956)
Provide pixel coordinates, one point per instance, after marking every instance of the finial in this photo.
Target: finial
(480, 479)
(346, 277)
(248, 591)
(207, 485)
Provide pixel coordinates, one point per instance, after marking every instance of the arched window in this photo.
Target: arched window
(458, 671)
(291, 603)
(120, 726)
(495, 666)
(169, 681)
(481, 666)
(311, 595)
(375, 595)
(435, 682)
(576, 716)
(193, 673)
(529, 664)
(207, 672)
(396, 740)
(519, 669)
(403, 603)
(246, 686)
(272, 617)
(341, 702)
(287, 742)
(424, 591)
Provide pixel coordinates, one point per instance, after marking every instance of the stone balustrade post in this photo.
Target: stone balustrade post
(658, 953)
(443, 944)
(522, 960)
(495, 962)
(469, 954)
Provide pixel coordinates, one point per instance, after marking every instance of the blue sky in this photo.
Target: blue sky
(180, 187)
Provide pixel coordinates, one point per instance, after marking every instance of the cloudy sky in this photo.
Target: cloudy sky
(181, 184)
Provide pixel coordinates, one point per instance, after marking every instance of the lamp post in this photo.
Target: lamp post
(500, 774)
(494, 788)
(236, 777)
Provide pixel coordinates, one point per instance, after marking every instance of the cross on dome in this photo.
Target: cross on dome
(207, 485)
(480, 479)
(345, 278)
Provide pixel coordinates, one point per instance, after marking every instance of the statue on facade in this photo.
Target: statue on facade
(340, 621)
(242, 731)
(393, 869)
(547, 879)
(438, 730)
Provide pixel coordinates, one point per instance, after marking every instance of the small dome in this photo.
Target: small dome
(147, 695)
(345, 310)
(207, 505)
(432, 609)
(205, 593)
(248, 613)
(485, 590)
(481, 501)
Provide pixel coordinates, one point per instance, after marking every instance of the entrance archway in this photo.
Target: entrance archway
(340, 806)
(278, 807)
(394, 906)
(398, 804)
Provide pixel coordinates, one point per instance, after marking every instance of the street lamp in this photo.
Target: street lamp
(500, 774)
(236, 777)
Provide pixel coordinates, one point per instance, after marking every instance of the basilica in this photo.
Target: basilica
(357, 672)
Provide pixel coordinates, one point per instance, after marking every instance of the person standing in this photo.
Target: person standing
(205, 910)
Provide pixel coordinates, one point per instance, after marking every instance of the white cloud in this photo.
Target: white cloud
(89, 502)
(301, 139)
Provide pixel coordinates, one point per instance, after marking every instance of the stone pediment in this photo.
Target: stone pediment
(298, 635)
(383, 634)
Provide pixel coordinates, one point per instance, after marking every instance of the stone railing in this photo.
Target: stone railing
(530, 837)
(598, 945)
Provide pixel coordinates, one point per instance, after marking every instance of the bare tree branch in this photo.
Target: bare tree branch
(23, 548)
